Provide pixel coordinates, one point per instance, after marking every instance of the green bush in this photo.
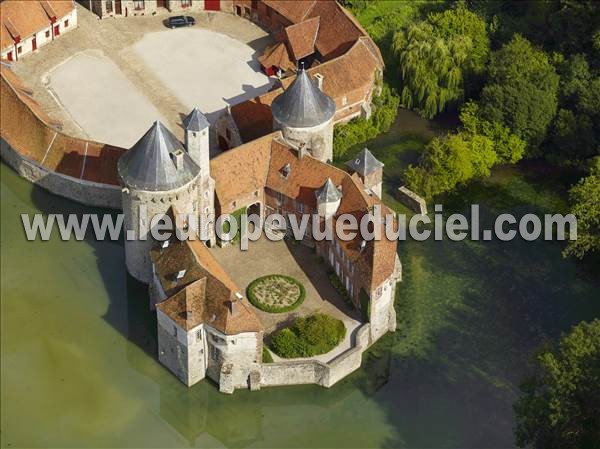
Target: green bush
(337, 284)
(271, 308)
(358, 130)
(308, 336)
(266, 356)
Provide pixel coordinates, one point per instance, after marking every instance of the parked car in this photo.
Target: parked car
(180, 21)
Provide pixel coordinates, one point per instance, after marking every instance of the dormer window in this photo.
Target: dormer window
(286, 170)
(180, 275)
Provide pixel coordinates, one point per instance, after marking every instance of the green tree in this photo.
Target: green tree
(521, 92)
(585, 205)
(559, 407)
(437, 56)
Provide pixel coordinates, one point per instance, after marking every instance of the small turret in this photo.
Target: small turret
(328, 199)
(196, 139)
(304, 114)
(369, 169)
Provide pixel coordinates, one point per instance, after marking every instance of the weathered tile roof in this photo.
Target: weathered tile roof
(277, 56)
(295, 11)
(364, 163)
(195, 121)
(24, 18)
(204, 294)
(302, 37)
(243, 172)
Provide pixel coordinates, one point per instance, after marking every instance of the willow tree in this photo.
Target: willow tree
(436, 55)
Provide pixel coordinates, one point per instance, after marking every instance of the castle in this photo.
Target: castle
(206, 326)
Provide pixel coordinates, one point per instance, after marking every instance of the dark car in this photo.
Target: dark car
(180, 21)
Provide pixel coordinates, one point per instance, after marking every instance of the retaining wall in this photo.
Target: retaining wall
(411, 200)
(80, 190)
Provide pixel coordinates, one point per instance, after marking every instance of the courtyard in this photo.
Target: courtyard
(109, 79)
(265, 257)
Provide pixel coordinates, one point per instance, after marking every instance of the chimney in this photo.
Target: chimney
(319, 79)
(177, 157)
(302, 151)
(234, 306)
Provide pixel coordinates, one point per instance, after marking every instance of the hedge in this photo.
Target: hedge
(266, 356)
(308, 336)
(274, 309)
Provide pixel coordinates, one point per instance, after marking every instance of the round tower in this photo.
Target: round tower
(304, 114)
(156, 174)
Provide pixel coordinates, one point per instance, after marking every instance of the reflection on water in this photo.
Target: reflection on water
(79, 361)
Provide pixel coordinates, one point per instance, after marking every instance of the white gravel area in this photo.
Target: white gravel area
(102, 100)
(203, 68)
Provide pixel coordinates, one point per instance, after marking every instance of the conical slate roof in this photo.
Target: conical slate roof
(195, 121)
(149, 164)
(364, 163)
(329, 193)
(303, 104)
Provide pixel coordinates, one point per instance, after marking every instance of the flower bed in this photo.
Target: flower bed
(276, 293)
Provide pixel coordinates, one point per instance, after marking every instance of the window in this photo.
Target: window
(174, 330)
(300, 207)
(109, 6)
(279, 198)
(194, 134)
(9, 56)
(228, 134)
(138, 4)
(344, 101)
(233, 203)
(67, 23)
(19, 50)
(199, 335)
(186, 3)
(47, 34)
(214, 353)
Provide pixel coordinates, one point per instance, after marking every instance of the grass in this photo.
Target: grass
(276, 293)
(266, 355)
(308, 336)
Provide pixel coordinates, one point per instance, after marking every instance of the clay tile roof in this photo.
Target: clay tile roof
(150, 165)
(242, 170)
(295, 11)
(364, 163)
(195, 121)
(25, 18)
(253, 117)
(277, 56)
(338, 31)
(303, 104)
(302, 37)
(205, 290)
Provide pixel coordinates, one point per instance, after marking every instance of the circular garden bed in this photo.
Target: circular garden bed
(276, 293)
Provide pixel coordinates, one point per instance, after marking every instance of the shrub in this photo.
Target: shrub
(337, 284)
(308, 336)
(256, 302)
(266, 356)
(358, 130)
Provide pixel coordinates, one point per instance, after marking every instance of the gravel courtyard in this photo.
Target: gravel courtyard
(109, 79)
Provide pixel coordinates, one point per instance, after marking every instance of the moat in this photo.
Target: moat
(79, 344)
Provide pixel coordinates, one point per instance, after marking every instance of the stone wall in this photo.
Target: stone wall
(85, 192)
(298, 372)
(411, 200)
(318, 139)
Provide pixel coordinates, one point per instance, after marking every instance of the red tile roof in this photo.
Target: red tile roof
(295, 11)
(302, 37)
(24, 18)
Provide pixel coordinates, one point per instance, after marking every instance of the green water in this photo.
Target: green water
(78, 344)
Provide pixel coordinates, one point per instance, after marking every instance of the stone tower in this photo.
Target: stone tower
(304, 114)
(156, 173)
(328, 199)
(197, 145)
(369, 169)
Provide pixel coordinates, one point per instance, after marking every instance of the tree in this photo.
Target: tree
(559, 407)
(585, 205)
(521, 92)
(438, 56)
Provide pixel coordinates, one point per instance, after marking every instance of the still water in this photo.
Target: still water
(79, 364)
